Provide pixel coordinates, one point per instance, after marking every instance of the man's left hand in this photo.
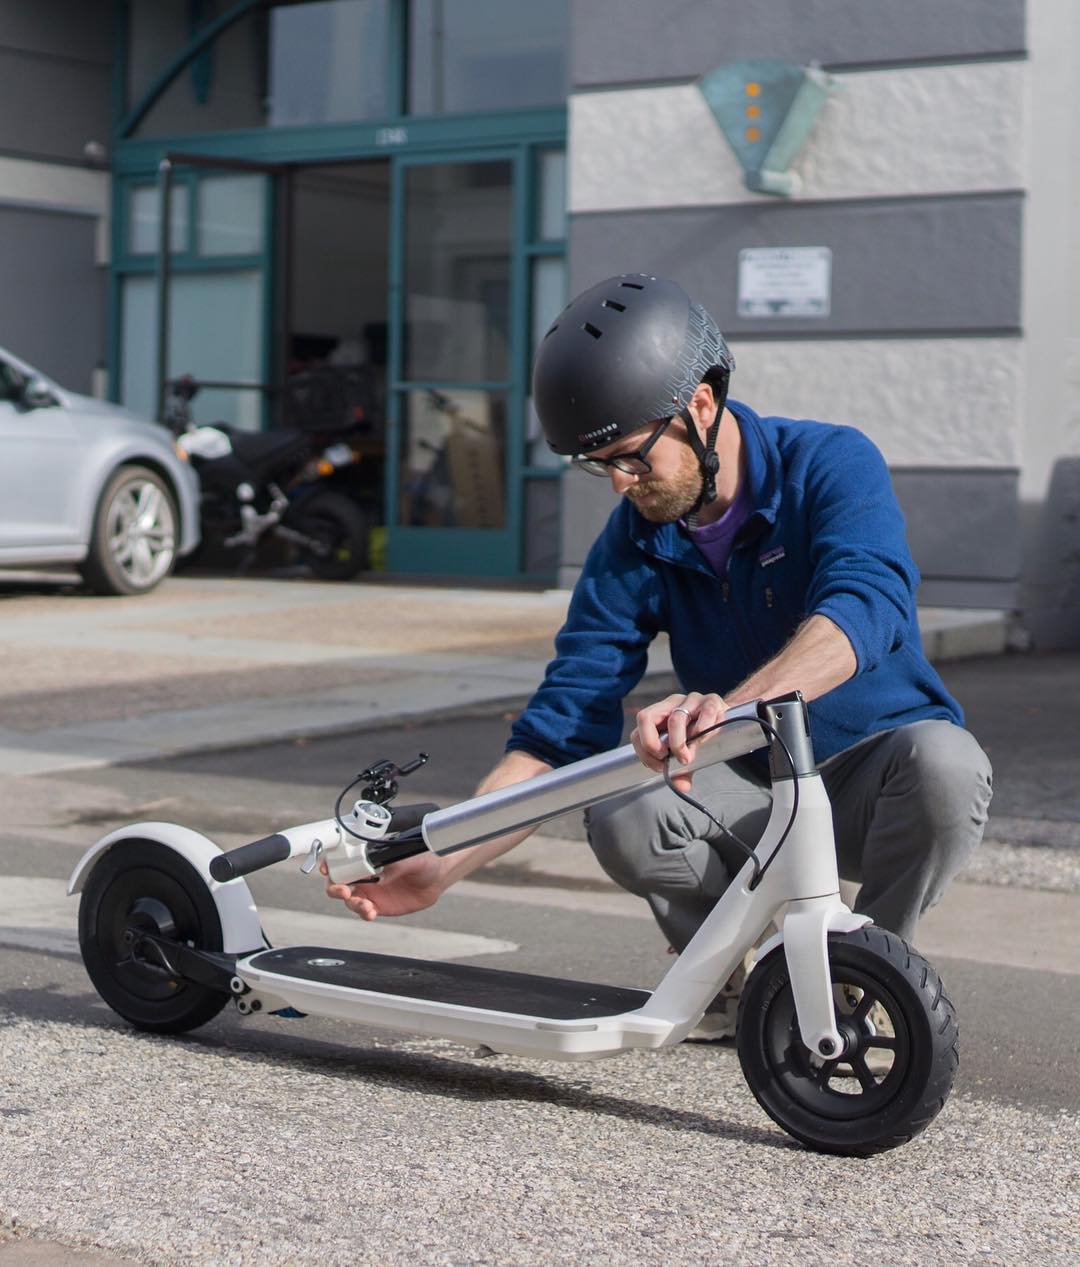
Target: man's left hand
(676, 716)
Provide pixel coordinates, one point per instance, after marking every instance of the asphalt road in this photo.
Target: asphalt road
(270, 1141)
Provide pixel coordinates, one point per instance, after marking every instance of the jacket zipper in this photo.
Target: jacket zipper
(746, 633)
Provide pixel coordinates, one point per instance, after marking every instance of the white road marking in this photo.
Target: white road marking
(37, 914)
(988, 924)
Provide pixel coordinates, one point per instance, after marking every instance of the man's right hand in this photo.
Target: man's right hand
(413, 884)
(416, 883)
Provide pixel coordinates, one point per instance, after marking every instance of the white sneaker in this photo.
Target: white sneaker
(718, 1023)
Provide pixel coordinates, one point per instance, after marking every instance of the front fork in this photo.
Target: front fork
(798, 890)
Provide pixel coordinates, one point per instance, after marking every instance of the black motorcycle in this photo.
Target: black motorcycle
(269, 487)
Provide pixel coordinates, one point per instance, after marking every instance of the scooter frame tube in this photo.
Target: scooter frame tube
(549, 795)
(578, 785)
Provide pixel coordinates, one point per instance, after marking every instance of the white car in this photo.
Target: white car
(88, 483)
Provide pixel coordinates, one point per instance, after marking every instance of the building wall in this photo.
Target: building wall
(1049, 418)
(916, 177)
(55, 77)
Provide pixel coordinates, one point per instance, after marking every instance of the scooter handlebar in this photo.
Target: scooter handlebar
(252, 857)
(405, 817)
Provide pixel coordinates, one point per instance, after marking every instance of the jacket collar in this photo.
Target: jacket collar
(671, 542)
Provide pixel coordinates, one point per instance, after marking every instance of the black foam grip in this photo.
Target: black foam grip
(248, 858)
(404, 817)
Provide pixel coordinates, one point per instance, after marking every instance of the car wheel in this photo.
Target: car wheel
(133, 543)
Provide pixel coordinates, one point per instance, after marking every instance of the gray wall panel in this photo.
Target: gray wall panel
(986, 595)
(1051, 529)
(542, 525)
(922, 266)
(616, 42)
(49, 109)
(81, 29)
(963, 528)
(52, 297)
(586, 504)
(962, 525)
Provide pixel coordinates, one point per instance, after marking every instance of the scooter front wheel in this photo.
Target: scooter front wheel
(142, 886)
(899, 1058)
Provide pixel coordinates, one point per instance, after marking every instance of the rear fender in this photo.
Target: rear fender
(240, 927)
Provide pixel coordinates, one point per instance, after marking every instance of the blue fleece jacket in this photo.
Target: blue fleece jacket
(825, 536)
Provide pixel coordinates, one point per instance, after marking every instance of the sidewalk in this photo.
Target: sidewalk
(209, 663)
(219, 663)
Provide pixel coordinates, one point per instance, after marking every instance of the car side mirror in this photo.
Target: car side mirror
(37, 394)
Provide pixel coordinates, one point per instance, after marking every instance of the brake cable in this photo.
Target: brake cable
(722, 827)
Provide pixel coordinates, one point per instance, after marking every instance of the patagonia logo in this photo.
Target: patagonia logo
(772, 556)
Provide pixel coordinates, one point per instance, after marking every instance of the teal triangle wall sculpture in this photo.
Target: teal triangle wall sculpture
(766, 110)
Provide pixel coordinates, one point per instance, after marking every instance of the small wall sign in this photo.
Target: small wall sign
(785, 281)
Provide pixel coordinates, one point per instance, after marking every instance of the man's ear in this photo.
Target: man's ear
(704, 402)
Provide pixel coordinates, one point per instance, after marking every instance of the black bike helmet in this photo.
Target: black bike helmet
(625, 353)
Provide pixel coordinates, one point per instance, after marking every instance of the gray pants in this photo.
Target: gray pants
(909, 806)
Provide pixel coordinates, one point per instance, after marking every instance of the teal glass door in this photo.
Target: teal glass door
(206, 306)
(453, 493)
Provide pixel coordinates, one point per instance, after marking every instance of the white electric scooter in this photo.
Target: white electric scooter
(844, 1033)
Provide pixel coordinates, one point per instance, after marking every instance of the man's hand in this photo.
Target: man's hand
(818, 658)
(413, 884)
(416, 883)
(679, 716)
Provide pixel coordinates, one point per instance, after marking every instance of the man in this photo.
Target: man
(772, 552)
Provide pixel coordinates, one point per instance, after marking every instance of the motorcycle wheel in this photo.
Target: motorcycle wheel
(339, 525)
(141, 884)
(900, 1055)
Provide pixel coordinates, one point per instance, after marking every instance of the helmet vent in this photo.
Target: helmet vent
(552, 330)
(589, 328)
(632, 285)
(611, 303)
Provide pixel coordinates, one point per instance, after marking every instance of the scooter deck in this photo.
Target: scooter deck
(462, 985)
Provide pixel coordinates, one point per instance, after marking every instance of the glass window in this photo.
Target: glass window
(548, 300)
(548, 294)
(457, 272)
(328, 62)
(11, 382)
(138, 344)
(486, 55)
(453, 456)
(232, 213)
(277, 66)
(215, 333)
(551, 202)
(144, 219)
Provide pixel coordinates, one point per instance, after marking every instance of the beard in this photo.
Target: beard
(666, 501)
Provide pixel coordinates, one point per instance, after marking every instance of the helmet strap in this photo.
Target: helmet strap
(705, 450)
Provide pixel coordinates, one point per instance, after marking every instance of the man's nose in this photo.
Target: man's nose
(621, 480)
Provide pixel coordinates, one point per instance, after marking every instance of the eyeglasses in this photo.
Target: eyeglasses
(634, 463)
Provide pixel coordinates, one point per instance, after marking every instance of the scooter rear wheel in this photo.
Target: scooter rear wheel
(145, 886)
(900, 1055)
